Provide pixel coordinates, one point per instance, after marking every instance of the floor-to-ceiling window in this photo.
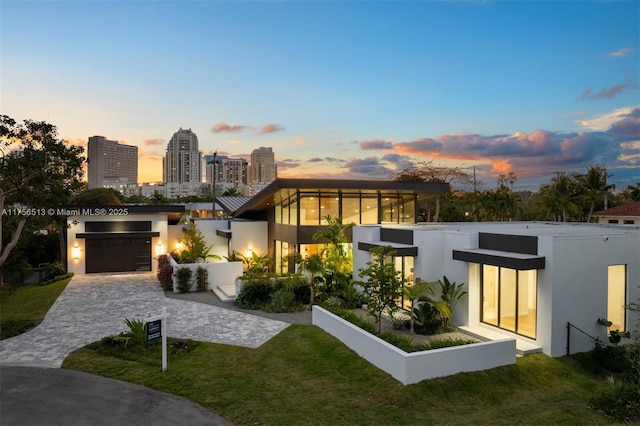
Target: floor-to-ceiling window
(616, 296)
(509, 299)
(404, 265)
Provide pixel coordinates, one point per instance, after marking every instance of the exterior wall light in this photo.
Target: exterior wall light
(159, 248)
(179, 246)
(75, 252)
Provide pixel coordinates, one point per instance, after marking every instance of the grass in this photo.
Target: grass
(27, 307)
(305, 376)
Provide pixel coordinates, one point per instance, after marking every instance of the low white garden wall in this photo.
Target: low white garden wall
(220, 273)
(414, 367)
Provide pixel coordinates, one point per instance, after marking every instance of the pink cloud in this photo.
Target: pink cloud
(224, 127)
(154, 142)
(270, 128)
(376, 144)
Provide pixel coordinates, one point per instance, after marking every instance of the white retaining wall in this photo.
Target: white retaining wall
(414, 367)
(220, 273)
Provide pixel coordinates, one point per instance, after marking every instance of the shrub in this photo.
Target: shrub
(137, 331)
(427, 319)
(14, 327)
(54, 270)
(255, 294)
(165, 275)
(283, 300)
(202, 279)
(184, 279)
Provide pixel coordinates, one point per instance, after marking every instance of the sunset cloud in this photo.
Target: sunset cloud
(270, 128)
(371, 167)
(604, 93)
(288, 163)
(622, 52)
(376, 144)
(224, 127)
(154, 142)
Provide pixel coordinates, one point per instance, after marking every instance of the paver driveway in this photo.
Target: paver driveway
(95, 306)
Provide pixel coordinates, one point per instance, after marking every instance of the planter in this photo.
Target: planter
(220, 273)
(414, 367)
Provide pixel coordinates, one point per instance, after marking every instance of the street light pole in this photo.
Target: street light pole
(213, 184)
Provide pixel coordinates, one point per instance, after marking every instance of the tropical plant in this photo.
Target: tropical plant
(137, 331)
(383, 286)
(255, 293)
(594, 184)
(413, 293)
(451, 294)
(334, 256)
(184, 279)
(314, 266)
(196, 249)
(257, 265)
(427, 318)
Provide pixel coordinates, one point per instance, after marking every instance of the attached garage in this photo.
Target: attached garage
(128, 242)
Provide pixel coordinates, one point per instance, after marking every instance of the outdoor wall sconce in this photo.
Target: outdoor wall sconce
(249, 252)
(179, 246)
(159, 248)
(75, 252)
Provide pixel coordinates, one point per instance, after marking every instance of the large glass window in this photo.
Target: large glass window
(616, 296)
(282, 257)
(369, 209)
(351, 209)
(390, 209)
(329, 205)
(309, 210)
(293, 211)
(408, 209)
(404, 265)
(509, 299)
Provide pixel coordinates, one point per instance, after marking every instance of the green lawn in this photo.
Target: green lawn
(305, 376)
(27, 307)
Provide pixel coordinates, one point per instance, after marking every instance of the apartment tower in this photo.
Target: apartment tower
(111, 164)
(263, 166)
(181, 163)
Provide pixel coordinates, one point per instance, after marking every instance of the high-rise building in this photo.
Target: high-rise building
(230, 172)
(263, 166)
(182, 160)
(111, 164)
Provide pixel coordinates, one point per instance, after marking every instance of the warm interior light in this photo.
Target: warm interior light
(160, 248)
(75, 252)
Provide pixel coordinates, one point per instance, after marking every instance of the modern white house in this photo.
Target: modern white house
(526, 280)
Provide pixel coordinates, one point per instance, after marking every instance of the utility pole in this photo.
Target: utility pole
(213, 184)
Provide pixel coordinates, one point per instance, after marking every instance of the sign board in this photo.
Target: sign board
(154, 330)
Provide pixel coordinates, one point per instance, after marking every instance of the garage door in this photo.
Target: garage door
(118, 255)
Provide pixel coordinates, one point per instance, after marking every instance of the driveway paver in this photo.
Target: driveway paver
(94, 306)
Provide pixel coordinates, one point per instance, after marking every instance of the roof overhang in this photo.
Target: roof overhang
(397, 248)
(224, 233)
(265, 198)
(505, 259)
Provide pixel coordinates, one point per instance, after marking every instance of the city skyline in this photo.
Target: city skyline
(352, 90)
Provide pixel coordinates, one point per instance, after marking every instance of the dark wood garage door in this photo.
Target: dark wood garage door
(118, 255)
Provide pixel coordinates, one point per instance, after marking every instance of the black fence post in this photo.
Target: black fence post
(568, 338)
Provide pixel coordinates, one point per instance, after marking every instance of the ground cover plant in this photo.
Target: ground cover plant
(25, 308)
(305, 376)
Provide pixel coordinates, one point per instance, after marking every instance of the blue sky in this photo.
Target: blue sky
(354, 89)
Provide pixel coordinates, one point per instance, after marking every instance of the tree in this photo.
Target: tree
(383, 287)
(335, 256)
(38, 171)
(426, 172)
(314, 266)
(594, 184)
(413, 294)
(560, 195)
(158, 198)
(232, 192)
(98, 197)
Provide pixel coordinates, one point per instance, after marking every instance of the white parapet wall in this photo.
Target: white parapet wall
(220, 273)
(414, 367)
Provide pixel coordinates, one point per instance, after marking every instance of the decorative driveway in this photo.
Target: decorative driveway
(94, 306)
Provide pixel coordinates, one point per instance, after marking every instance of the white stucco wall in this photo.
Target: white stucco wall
(577, 274)
(249, 236)
(208, 228)
(159, 223)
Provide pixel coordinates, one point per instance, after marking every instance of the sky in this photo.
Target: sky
(339, 89)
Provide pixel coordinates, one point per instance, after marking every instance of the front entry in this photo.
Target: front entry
(117, 255)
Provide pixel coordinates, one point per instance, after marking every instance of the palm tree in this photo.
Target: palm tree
(594, 183)
(560, 194)
(335, 232)
(314, 265)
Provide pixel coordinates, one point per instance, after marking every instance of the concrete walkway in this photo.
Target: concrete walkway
(94, 306)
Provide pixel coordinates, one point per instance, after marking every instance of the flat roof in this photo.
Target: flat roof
(538, 229)
(265, 198)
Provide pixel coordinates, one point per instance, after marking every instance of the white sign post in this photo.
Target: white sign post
(163, 332)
